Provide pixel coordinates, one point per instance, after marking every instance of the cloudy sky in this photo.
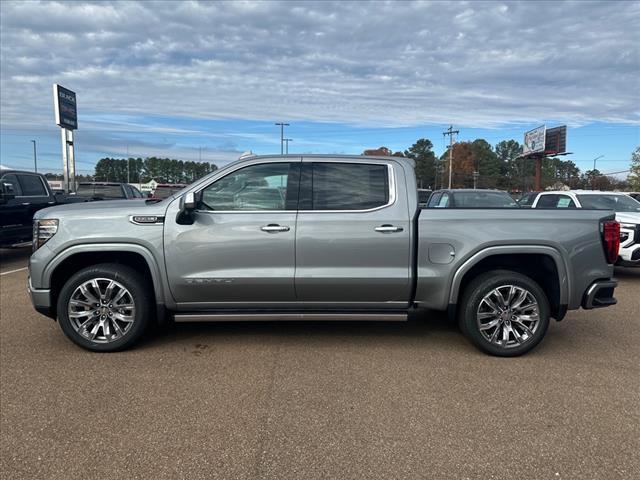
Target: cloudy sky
(197, 80)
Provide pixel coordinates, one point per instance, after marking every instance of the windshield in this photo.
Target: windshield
(617, 203)
(100, 191)
(480, 199)
(527, 199)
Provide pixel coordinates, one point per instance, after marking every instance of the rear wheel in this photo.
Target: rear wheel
(504, 313)
(105, 307)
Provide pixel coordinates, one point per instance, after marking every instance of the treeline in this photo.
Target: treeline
(162, 170)
(496, 167)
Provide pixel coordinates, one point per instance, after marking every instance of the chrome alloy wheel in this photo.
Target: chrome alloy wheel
(508, 316)
(101, 310)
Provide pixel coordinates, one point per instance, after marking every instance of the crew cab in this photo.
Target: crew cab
(22, 194)
(320, 238)
(627, 213)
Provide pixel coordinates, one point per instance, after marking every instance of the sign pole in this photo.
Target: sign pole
(538, 186)
(68, 161)
(66, 114)
(65, 161)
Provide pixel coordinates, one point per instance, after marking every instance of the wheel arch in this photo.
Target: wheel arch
(73, 259)
(543, 264)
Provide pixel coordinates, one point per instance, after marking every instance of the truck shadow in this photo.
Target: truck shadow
(627, 272)
(432, 324)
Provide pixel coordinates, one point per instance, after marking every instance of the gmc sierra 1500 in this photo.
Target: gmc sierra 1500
(322, 238)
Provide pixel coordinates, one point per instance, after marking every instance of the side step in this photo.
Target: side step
(285, 316)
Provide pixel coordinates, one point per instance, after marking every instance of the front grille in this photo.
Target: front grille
(636, 255)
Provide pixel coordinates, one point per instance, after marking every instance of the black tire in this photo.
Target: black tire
(140, 295)
(480, 287)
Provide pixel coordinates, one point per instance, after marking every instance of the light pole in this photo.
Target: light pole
(286, 144)
(35, 156)
(593, 176)
(282, 125)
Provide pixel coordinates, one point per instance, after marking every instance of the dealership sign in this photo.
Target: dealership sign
(64, 102)
(534, 140)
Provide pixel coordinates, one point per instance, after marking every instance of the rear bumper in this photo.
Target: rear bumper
(600, 294)
(41, 300)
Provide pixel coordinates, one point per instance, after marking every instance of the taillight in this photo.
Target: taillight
(611, 240)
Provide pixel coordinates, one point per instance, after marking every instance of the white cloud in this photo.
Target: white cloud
(392, 63)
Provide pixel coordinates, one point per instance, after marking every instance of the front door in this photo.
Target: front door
(240, 249)
(353, 235)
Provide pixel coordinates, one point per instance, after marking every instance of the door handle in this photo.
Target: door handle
(274, 228)
(388, 229)
(24, 204)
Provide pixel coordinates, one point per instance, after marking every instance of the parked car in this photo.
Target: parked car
(164, 190)
(627, 212)
(468, 198)
(527, 199)
(423, 197)
(345, 241)
(105, 191)
(634, 195)
(22, 194)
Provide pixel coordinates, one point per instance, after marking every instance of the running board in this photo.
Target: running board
(285, 316)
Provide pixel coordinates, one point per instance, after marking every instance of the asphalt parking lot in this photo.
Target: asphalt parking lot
(319, 400)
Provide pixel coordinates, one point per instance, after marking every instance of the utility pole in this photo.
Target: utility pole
(35, 157)
(593, 176)
(200, 154)
(286, 144)
(128, 162)
(282, 125)
(451, 132)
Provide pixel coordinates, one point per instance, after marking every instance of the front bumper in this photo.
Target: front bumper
(41, 300)
(600, 294)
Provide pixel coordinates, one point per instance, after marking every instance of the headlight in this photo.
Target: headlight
(43, 230)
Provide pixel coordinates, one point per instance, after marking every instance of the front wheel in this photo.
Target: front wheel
(504, 313)
(104, 308)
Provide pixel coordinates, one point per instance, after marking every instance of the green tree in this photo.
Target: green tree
(426, 169)
(487, 164)
(514, 170)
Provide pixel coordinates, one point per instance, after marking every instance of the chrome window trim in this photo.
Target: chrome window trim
(390, 173)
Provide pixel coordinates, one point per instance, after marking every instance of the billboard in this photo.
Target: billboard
(64, 103)
(556, 140)
(534, 141)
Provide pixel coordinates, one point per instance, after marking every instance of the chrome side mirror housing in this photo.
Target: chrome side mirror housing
(188, 204)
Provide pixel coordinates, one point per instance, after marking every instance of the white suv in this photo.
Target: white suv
(627, 213)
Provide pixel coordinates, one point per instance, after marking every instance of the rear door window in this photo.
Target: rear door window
(348, 186)
(32, 186)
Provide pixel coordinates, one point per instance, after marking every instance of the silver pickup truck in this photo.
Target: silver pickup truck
(319, 238)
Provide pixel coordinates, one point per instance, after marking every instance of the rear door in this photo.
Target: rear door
(34, 195)
(353, 234)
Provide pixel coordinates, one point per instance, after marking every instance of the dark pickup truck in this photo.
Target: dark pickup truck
(22, 194)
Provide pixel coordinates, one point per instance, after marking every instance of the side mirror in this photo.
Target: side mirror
(189, 201)
(6, 192)
(187, 208)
